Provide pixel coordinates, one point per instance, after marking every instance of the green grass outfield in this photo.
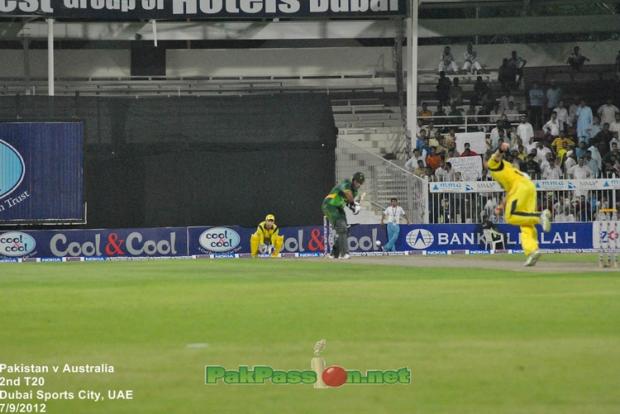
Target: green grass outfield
(477, 341)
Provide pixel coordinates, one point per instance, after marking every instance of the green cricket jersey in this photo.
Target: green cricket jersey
(336, 196)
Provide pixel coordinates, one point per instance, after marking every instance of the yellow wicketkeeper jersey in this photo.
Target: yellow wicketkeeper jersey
(506, 175)
(266, 234)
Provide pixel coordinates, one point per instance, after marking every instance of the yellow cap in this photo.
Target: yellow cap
(270, 217)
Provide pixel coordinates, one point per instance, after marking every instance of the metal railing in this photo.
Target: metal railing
(384, 180)
(468, 122)
(568, 200)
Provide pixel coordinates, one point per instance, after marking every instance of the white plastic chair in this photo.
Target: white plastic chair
(489, 242)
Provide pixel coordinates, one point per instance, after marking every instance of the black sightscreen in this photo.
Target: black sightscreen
(198, 160)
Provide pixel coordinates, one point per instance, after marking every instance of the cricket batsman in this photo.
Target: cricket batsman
(333, 205)
(520, 203)
(267, 237)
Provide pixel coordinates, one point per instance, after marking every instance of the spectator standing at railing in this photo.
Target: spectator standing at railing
(496, 133)
(517, 63)
(512, 115)
(595, 128)
(456, 115)
(456, 93)
(569, 160)
(481, 92)
(471, 60)
(471, 117)
(576, 60)
(506, 75)
(505, 123)
(608, 112)
(553, 96)
(444, 172)
(611, 168)
(525, 130)
(603, 149)
(483, 116)
(584, 121)
(554, 171)
(581, 171)
(495, 113)
(532, 168)
(536, 97)
(605, 135)
(542, 151)
(594, 161)
(440, 112)
(447, 62)
(572, 113)
(581, 149)
(443, 88)
(505, 99)
(552, 127)
(562, 114)
(529, 145)
(547, 162)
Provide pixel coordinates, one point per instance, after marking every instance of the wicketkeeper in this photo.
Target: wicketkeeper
(267, 238)
(333, 208)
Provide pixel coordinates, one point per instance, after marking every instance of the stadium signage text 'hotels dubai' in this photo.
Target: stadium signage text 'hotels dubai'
(221, 9)
(12, 169)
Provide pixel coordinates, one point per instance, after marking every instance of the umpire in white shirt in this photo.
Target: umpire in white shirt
(393, 213)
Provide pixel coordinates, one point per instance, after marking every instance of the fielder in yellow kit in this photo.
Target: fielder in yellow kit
(267, 237)
(520, 203)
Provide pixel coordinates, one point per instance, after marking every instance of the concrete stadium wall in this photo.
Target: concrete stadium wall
(68, 63)
(287, 62)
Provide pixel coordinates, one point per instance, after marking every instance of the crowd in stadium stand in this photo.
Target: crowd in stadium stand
(569, 139)
(554, 137)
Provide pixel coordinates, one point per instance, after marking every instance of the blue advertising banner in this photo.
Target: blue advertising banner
(41, 172)
(234, 240)
(109, 243)
(444, 237)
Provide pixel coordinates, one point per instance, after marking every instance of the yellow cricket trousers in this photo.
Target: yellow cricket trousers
(521, 211)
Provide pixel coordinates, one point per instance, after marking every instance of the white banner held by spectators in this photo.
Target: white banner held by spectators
(469, 167)
(541, 185)
(476, 140)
